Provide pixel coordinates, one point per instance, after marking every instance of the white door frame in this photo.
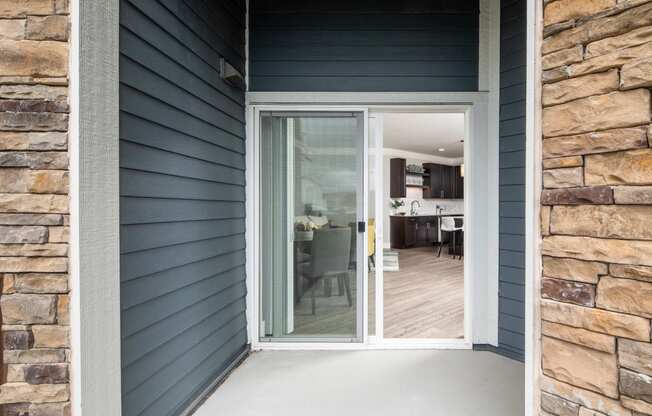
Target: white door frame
(481, 306)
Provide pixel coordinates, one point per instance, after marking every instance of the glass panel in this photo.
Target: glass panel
(310, 191)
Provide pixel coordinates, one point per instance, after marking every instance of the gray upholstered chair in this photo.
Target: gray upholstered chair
(330, 258)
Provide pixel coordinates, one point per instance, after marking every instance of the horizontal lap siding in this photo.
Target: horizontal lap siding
(511, 323)
(385, 46)
(182, 206)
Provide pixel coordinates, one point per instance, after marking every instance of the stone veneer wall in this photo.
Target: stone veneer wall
(34, 207)
(596, 220)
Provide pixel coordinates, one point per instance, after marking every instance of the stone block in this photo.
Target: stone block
(31, 219)
(635, 385)
(640, 407)
(604, 221)
(631, 167)
(636, 356)
(573, 269)
(578, 196)
(584, 397)
(47, 27)
(545, 220)
(636, 74)
(17, 340)
(41, 283)
(599, 249)
(13, 8)
(636, 272)
(58, 234)
(33, 264)
(18, 203)
(562, 57)
(589, 339)
(597, 320)
(634, 195)
(19, 180)
(614, 59)
(589, 412)
(33, 250)
(63, 310)
(557, 406)
(30, 393)
(595, 142)
(33, 58)
(12, 29)
(46, 373)
(51, 336)
(626, 40)
(34, 92)
(583, 367)
(34, 160)
(563, 178)
(33, 121)
(567, 291)
(8, 283)
(625, 295)
(33, 141)
(580, 87)
(599, 112)
(34, 356)
(562, 10)
(28, 309)
(563, 162)
(12, 234)
(554, 75)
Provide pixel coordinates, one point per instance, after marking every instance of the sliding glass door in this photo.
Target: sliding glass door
(312, 225)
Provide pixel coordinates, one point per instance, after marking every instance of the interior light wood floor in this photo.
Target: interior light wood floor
(425, 299)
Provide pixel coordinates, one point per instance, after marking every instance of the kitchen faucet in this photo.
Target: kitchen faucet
(412, 210)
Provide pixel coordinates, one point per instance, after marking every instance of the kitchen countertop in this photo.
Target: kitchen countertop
(444, 214)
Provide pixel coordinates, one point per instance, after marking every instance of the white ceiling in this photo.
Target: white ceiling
(425, 133)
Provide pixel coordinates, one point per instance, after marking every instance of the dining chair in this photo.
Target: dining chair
(330, 258)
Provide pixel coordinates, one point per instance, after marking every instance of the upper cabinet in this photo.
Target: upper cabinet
(443, 181)
(439, 181)
(397, 170)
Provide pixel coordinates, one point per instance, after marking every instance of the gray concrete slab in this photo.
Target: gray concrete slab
(378, 383)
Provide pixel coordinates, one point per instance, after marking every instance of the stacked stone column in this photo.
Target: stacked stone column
(596, 222)
(34, 207)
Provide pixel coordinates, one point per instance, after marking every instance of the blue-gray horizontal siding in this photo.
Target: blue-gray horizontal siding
(182, 200)
(511, 323)
(387, 46)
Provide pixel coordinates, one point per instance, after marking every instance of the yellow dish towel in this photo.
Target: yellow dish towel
(371, 235)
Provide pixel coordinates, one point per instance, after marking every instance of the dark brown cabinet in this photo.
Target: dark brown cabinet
(397, 178)
(409, 232)
(443, 181)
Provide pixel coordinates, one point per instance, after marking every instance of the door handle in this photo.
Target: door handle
(362, 226)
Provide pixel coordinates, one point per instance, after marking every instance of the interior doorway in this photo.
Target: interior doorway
(417, 286)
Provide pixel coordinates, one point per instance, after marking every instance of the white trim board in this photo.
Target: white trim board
(533, 188)
(94, 209)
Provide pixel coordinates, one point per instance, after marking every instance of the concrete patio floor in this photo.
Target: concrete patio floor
(378, 383)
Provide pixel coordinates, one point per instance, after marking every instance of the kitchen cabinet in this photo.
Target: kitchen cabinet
(407, 231)
(443, 182)
(397, 178)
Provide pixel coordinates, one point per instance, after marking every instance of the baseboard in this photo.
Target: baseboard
(514, 355)
(210, 389)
